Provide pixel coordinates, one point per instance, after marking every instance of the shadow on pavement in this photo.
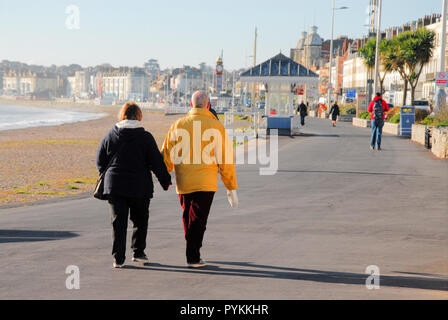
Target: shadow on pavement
(246, 269)
(315, 135)
(7, 236)
(349, 172)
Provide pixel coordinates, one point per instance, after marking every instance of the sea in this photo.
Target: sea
(20, 117)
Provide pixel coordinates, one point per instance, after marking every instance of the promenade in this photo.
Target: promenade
(308, 232)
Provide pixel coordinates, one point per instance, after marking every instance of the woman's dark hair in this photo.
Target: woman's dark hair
(130, 111)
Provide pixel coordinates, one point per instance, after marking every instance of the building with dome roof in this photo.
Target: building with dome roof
(313, 51)
(309, 49)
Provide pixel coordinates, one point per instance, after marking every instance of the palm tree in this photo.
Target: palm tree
(415, 49)
(395, 61)
(385, 67)
(368, 54)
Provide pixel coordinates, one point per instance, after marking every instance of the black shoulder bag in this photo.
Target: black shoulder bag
(98, 193)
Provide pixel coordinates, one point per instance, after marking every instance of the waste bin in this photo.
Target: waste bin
(282, 123)
(407, 119)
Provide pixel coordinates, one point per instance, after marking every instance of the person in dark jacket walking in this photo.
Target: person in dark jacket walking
(302, 110)
(334, 112)
(128, 182)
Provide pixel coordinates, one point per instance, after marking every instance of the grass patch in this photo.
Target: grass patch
(40, 192)
(82, 181)
(70, 187)
(53, 193)
(23, 192)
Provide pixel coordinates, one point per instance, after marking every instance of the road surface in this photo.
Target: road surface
(308, 232)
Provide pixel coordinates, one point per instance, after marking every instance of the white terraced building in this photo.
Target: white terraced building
(126, 85)
(355, 74)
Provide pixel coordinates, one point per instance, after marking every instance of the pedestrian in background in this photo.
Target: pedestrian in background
(322, 107)
(378, 108)
(334, 113)
(302, 110)
(129, 154)
(197, 181)
(215, 114)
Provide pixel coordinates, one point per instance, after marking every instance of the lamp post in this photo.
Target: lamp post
(330, 85)
(378, 39)
(440, 98)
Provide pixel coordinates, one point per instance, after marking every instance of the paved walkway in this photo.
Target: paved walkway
(308, 232)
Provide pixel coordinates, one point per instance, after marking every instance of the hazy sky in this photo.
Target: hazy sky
(179, 32)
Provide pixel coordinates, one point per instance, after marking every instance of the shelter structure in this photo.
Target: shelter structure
(282, 78)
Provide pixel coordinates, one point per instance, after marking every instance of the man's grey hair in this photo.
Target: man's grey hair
(199, 99)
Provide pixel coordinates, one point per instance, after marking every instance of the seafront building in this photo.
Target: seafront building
(79, 85)
(186, 80)
(350, 74)
(152, 68)
(30, 83)
(127, 84)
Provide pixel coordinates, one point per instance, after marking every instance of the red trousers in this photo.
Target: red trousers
(196, 208)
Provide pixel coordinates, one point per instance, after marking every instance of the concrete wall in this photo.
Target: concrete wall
(418, 133)
(439, 139)
(357, 122)
(440, 142)
(391, 128)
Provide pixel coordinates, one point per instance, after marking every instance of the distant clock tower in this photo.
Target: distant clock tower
(219, 72)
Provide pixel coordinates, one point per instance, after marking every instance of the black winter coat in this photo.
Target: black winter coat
(130, 173)
(302, 109)
(334, 111)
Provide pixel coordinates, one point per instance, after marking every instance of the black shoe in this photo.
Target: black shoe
(379, 149)
(140, 258)
(372, 148)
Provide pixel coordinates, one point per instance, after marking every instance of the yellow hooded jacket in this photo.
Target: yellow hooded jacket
(197, 147)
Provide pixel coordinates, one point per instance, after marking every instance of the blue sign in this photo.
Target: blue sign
(407, 119)
(351, 93)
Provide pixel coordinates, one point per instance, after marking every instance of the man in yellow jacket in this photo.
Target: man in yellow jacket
(197, 148)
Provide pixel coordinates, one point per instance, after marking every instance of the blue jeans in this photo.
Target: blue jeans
(377, 132)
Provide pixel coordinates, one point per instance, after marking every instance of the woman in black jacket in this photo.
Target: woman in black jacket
(334, 112)
(128, 181)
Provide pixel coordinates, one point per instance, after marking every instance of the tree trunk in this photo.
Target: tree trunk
(413, 87)
(405, 92)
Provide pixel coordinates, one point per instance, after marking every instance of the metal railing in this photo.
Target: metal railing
(250, 131)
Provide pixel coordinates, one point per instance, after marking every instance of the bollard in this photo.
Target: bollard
(428, 138)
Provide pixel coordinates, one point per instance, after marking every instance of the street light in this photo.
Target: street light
(440, 98)
(330, 85)
(377, 49)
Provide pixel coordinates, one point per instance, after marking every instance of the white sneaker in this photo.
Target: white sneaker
(117, 266)
(196, 265)
(142, 258)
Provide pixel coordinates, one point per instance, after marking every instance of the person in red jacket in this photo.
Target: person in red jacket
(378, 108)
